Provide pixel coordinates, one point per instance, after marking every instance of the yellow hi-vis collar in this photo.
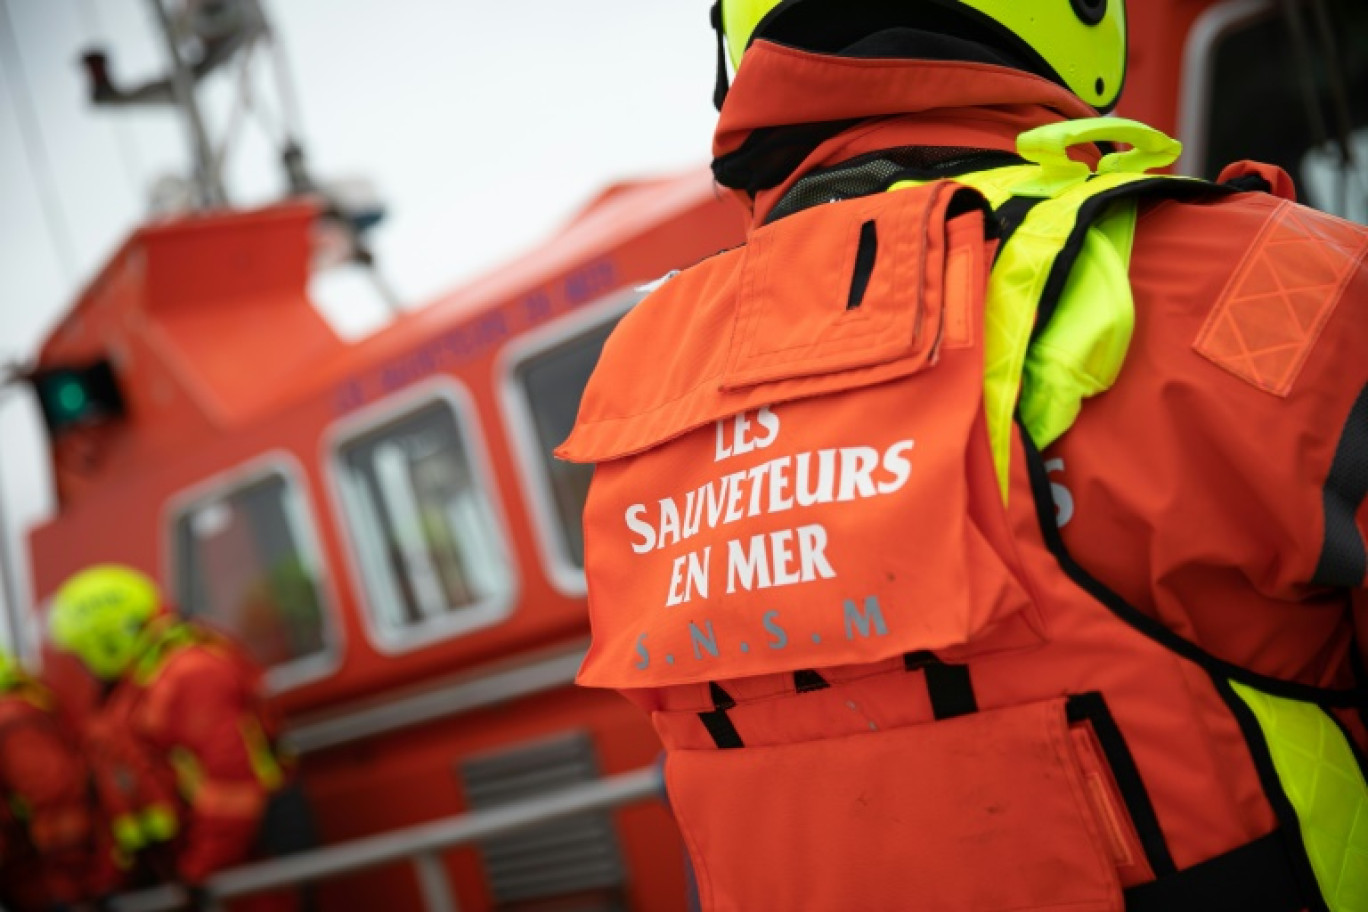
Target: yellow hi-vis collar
(1080, 352)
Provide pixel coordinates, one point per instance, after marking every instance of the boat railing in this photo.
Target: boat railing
(421, 845)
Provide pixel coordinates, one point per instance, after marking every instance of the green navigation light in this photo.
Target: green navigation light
(71, 397)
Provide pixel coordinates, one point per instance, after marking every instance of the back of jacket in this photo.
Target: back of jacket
(988, 714)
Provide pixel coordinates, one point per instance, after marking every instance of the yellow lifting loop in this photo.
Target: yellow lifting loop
(1048, 147)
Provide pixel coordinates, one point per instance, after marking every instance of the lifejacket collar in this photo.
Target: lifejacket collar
(785, 103)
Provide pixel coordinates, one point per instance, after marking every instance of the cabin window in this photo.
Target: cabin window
(244, 565)
(551, 382)
(430, 551)
(1263, 81)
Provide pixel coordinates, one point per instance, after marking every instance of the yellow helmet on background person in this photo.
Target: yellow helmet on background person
(99, 615)
(1079, 43)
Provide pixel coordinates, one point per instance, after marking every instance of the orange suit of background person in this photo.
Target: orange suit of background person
(47, 830)
(927, 620)
(182, 745)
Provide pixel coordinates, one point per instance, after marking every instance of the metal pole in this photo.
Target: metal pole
(433, 883)
(425, 838)
(9, 584)
(183, 83)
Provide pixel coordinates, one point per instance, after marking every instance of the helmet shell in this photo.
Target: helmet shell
(98, 615)
(1083, 42)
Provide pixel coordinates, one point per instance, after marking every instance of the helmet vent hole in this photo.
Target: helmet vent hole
(1090, 12)
(1100, 86)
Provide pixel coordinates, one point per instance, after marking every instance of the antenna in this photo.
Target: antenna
(234, 38)
(201, 37)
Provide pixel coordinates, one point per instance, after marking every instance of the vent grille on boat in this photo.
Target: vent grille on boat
(577, 854)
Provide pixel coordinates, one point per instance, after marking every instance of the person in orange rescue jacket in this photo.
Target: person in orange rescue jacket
(987, 532)
(47, 826)
(183, 744)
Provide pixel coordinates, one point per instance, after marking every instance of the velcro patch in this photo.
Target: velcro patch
(1277, 303)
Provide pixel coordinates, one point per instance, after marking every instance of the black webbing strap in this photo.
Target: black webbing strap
(1256, 877)
(717, 722)
(806, 681)
(949, 686)
(1092, 708)
(1009, 216)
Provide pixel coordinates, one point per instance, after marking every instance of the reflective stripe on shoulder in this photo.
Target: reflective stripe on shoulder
(1281, 296)
(1326, 786)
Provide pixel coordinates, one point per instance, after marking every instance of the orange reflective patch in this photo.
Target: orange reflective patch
(1278, 301)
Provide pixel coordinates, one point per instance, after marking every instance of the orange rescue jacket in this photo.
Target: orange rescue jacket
(43, 784)
(879, 686)
(189, 726)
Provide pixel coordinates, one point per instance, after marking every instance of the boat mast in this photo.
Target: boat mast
(208, 181)
(203, 37)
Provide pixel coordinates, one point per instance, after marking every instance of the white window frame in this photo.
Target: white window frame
(445, 390)
(303, 528)
(1199, 73)
(521, 428)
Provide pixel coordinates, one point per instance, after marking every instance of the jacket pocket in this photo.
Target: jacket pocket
(988, 812)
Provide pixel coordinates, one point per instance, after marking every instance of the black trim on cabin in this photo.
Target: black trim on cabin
(1092, 708)
(1147, 625)
(1343, 559)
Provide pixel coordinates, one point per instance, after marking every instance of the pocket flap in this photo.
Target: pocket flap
(841, 296)
(841, 287)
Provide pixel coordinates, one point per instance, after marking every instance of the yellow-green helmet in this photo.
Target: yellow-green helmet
(99, 614)
(1081, 42)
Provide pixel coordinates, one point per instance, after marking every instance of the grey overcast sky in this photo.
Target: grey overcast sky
(482, 126)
